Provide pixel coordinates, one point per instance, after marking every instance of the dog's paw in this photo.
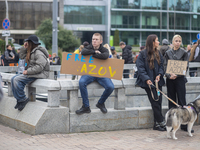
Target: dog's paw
(175, 138)
(169, 137)
(190, 135)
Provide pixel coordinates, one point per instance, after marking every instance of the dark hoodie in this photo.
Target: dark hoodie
(89, 50)
(127, 55)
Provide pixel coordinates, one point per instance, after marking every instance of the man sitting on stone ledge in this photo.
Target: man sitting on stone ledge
(98, 51)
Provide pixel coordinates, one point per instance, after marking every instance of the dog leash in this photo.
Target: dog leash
(152, 92)
(165, 95)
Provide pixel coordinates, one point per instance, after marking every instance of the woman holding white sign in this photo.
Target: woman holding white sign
(176, 83)
(150, 71)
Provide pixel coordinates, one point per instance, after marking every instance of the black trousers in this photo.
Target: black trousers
(176, 89)
(126, 73)
(156, 105)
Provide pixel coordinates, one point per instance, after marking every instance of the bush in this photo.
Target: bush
(116, 38)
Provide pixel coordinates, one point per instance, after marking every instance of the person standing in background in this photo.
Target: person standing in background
(127, 56)
(9, 56)
(55, 61)
(114, 53)
(165, 46)
(108, 47)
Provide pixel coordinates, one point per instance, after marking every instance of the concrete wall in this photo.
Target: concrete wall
(128, 107)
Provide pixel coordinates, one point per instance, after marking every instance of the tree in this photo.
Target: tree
(66, 40)
(116, 38)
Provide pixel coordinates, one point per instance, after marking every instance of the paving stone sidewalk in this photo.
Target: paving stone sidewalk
(141, 139)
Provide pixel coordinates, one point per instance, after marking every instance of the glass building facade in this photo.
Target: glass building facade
(84, 14)
(136, 19)
(85, 17)
(25, 15)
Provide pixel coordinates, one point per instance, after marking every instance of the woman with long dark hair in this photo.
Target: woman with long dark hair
(151, 71)
(37, 67)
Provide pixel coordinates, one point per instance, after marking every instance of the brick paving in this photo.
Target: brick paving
(141, 139)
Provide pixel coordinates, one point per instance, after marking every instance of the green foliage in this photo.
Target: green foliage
(66, 40)
(116, 38)
(44, 32)
(2, 46)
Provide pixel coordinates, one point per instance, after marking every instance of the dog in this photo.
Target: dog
(182, 115)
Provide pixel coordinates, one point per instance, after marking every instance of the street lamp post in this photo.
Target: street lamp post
(7, 18)
(55, 28)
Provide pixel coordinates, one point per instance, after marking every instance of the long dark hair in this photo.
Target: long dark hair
(152, 53)
(31, 46)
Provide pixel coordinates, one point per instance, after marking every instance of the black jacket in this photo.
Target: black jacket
(55, 61)
(171, 54)
(8, 56)
(163, 49)
(145, 73)
(127, 55)
(89, 50)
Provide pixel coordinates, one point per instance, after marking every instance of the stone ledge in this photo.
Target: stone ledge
(131, 118)
(35, 118)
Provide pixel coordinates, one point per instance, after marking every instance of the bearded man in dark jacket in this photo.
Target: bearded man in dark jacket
(98, 51)
(127, 56)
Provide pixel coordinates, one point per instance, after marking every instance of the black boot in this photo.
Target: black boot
(102, 107)
(23, 104)
(17, 105)
(83, 110)
(159, 126)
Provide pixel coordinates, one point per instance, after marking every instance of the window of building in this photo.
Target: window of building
(164, 20)
(146, 34)
(195, 5)
(195, 22)
(125, 19)
(125, 4)
(84, 14)
(26, 15)
(181, 21)
(151, 4)
(150, 20)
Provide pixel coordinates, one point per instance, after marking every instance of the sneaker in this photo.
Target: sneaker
(101, 107)
(158, 127)
(23, 104)
(83, 110)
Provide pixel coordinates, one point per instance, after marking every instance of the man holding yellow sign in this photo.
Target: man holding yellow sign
(98, 51)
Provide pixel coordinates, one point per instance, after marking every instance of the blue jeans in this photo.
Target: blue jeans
(18, 83)
(105, 82)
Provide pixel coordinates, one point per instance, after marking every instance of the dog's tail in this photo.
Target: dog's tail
(168, 118)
